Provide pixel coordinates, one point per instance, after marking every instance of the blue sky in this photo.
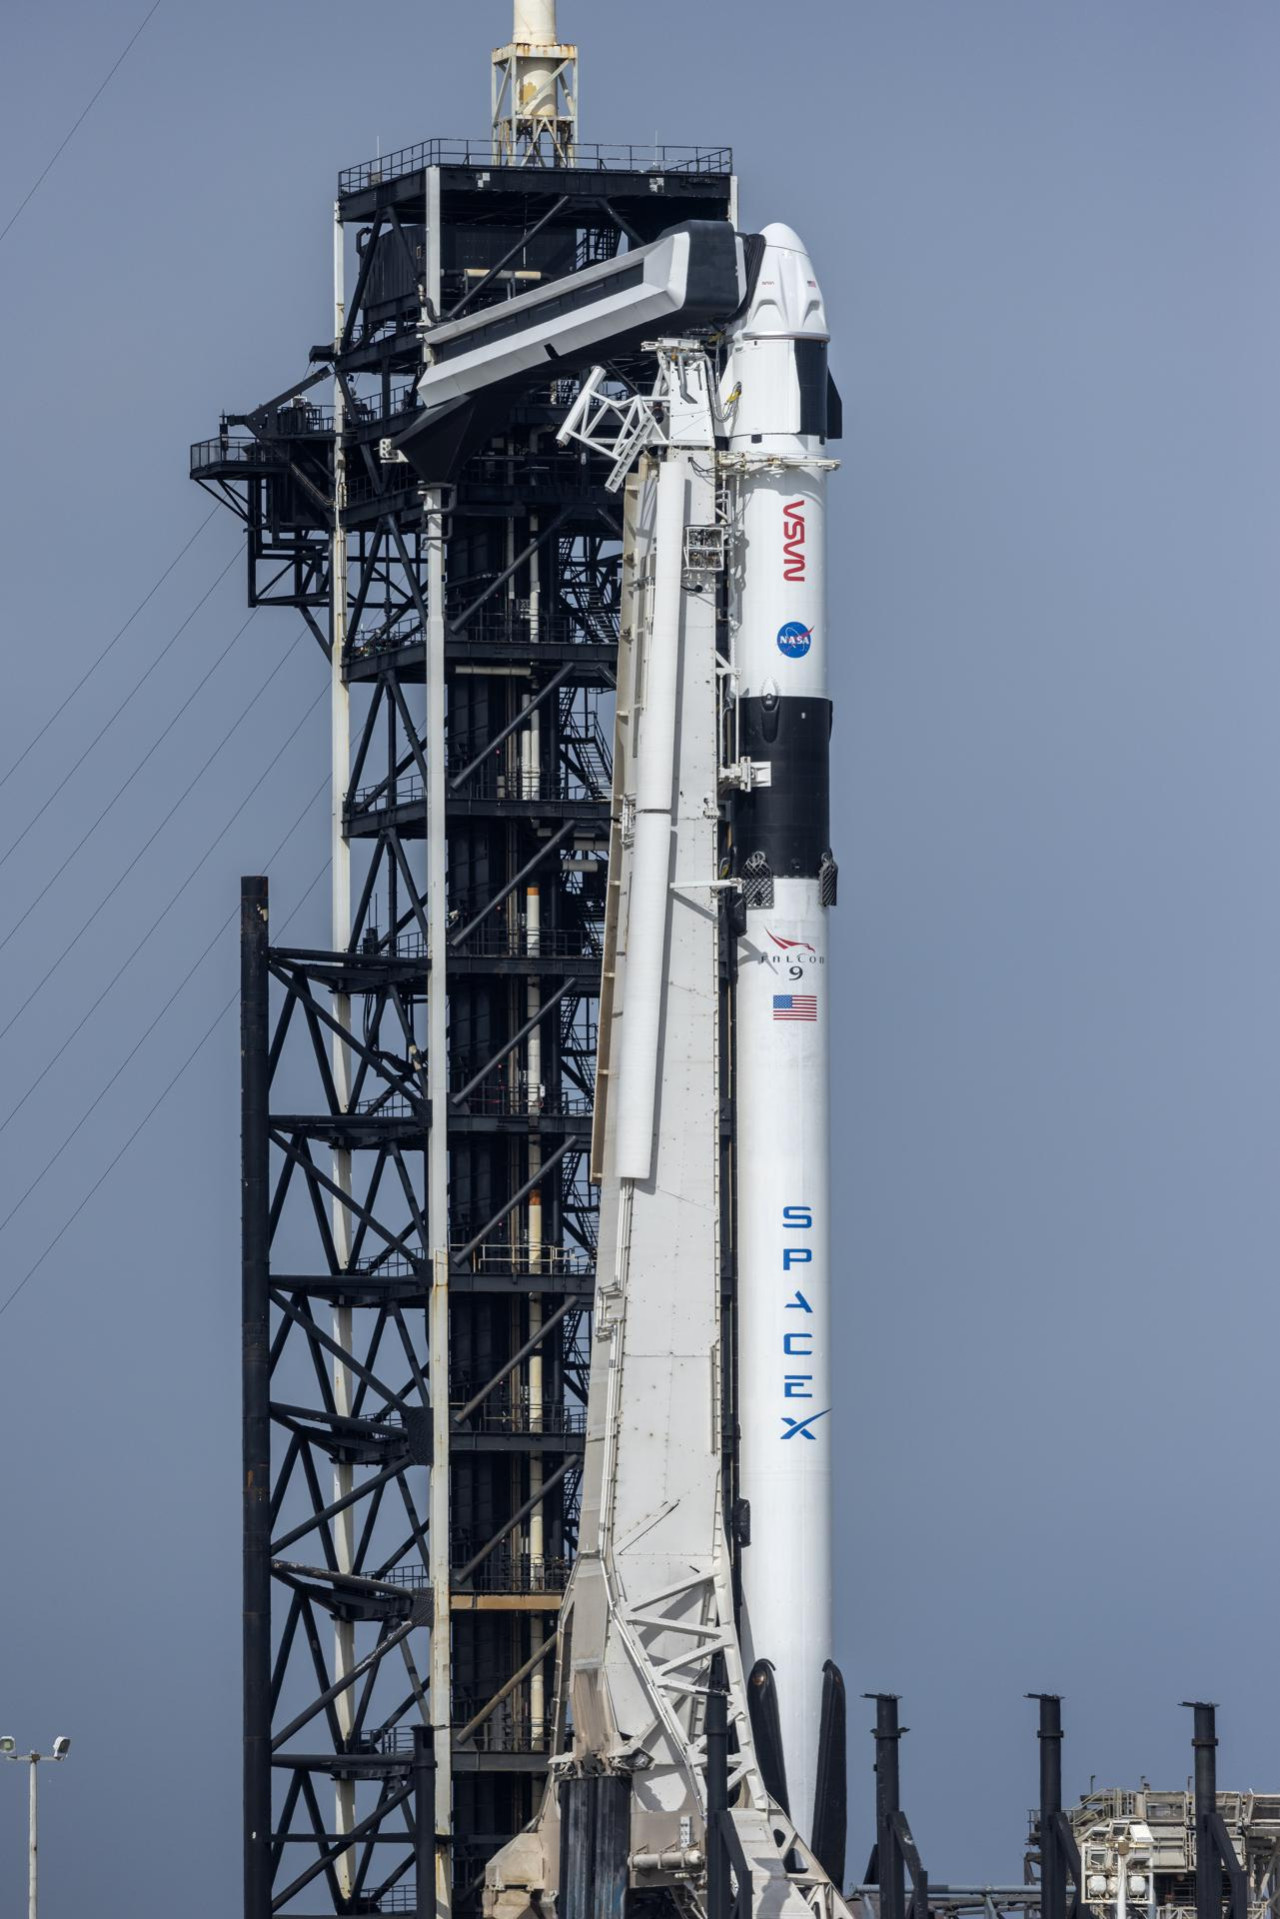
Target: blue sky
(1045, 235)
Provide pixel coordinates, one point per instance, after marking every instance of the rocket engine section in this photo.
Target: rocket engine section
(776, 403)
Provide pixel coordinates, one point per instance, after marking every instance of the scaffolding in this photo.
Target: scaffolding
(419, 1220)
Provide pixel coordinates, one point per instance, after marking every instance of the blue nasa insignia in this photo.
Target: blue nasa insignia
(794, 640)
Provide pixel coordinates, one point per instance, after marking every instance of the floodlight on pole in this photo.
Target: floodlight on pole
(61, 1747)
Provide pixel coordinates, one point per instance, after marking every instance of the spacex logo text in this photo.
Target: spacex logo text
(798, 1339)
(793, 553)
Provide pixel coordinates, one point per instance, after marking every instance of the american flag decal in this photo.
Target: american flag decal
(795, 1006)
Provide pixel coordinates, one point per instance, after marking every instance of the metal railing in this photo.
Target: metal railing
(391, 1106)
(393, 483)
(494, 629)
(408, 791)
(509, 628)
(402, 1897)
(364, 409)
(588, 156)
(239, 449)
(393, 1266)
(491, 782)
(514, 1102)
(502, 1731)
(513, 1259)
(395, 1739)
(517, 1573)
(517, 1417)
(304, 419)
(405, 632)
(412, 1578)
(495, 941)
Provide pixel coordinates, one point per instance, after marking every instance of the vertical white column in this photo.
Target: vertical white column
(651, 859)
(340, 894)
(33, 1844)
(531, 748)
(441, 1679)
(535, 569)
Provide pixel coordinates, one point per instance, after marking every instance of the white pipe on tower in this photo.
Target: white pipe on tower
(535, 28)
(535, 23)
(535, 88)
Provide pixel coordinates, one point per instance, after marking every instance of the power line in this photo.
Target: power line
(66, 141)
(126, 784)
(92, 669)
(136, 688)
(154, 927)
(158, 1102)
(67, 950)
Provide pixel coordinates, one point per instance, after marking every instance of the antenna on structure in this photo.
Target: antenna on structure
(535, 91)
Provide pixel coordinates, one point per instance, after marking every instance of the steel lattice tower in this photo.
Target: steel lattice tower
(419, 1227)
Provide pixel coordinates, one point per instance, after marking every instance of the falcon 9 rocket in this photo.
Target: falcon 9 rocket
(777, 424)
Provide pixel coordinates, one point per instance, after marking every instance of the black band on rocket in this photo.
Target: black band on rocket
(787, 821)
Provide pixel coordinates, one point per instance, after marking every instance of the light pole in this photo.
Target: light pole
(61, 1747)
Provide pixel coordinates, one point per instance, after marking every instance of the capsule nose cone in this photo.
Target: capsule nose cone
(787, 301)
(778, 234)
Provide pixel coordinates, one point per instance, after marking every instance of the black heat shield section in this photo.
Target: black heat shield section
(766, 1732)
(438, 441)
(789, 821)
(831, 1793)
(835, 411)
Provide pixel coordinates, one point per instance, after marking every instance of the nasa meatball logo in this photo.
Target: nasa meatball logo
(794, 640)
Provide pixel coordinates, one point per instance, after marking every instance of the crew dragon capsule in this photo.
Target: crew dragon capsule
(776, 411)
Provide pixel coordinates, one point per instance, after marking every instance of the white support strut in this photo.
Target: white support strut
(651, 858)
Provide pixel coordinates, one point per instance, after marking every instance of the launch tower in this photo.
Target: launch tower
(419, 1226)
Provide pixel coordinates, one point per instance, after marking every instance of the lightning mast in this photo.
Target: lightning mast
(535, 91)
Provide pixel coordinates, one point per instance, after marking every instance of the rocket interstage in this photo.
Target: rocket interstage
(777, 426)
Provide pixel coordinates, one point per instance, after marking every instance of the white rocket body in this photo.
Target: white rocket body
(777, 362)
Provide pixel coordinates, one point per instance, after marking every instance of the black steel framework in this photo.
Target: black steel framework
(1220, 1879)
(341, 1425)
(895, 1854)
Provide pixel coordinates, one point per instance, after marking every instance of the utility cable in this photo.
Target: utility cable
(163, 1096)
(111, 891)
(32, 744)
(123, 789)
(156, 923)
(136, 688)
(68, 138)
